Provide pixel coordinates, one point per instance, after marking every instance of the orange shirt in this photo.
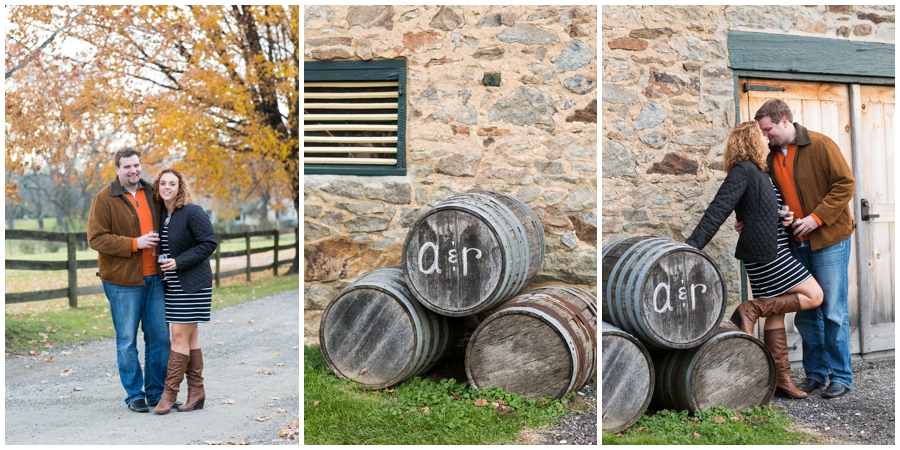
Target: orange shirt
(145, 217)
(783, 169)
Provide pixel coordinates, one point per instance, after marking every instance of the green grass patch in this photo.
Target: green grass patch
(417, 411)
(32, 328)
(717, 426)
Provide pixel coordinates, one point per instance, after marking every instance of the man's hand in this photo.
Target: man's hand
(148, 240)
(738, 226)
(804, 226)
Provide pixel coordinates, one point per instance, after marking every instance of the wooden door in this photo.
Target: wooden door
(826, 108)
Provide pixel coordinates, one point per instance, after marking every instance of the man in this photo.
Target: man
(817, 185)
(121, 229)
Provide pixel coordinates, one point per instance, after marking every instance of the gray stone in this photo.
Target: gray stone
(618, 161)
(433, 152)
(444, 116)
(313, 231)
(318, 296)
(699, 50)
(615, 64)
(615, 94)
(548, 180)
(705, 137)
(570, 148)
(317, 12)
(579, 84)
(635, 215)
(392, 192)
(550, 167)
(448, 18)
(434, 96)
(467, 115)
(489, 53)
(568, 239)
(463, 163)
(655, 140)
(409, 15)
(527, 194)
(525, 106)
(525, 33)
(312, 211)
(464, 96)
(460, 40)
(408, 216)
(504, 19)
(584, 198)
(540, 53)
(576, 55)
(370, 16)
(366, 224)
(505, 176)
(360, 208)
(553, 197)
(344, 188)
(364, 50)
(333, 218)
(567, 267)
(542, 14)
(440, 194)
(514, 146)
(420, 195)
(652, 114)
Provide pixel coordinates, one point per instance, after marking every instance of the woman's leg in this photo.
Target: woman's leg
(810, 293)
(806, 295)
(194, 342)
(181, 337)
(194, 374)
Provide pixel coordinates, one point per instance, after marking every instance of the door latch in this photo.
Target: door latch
(865, 210)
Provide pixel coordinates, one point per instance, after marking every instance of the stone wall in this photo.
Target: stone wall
(668, 107)
(533, 137)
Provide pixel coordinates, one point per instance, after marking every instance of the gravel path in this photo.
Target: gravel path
(78, 398)
(865, 415)
(577, 429)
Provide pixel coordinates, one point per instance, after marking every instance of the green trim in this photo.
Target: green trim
(770, 52)
(375, 70)
(823, 78)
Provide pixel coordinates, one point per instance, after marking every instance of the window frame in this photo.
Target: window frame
(359, 70)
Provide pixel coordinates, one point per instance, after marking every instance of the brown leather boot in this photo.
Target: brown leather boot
(746, 315)
(177, 364)
(776, 342)
(196, 393)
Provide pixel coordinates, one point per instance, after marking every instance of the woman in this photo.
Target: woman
(186, 242)
(780, 283)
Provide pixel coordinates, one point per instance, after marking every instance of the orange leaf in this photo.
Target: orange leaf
(481, 402)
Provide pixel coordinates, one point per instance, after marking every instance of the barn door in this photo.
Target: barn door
(826, 108)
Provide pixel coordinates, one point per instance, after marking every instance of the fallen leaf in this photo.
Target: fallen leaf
(213, 442)
(228, 401)
(66, 396)
(618, 435)
(696, 435)
(220, 343)
(262, 330)
(316, 403)
(642, 429)
(455, 397)
(426, 410)
(719, 420)
(262, 418)
(108, 374)
(241, 363)
(270, 405)
(277, 354)
(78, 389)
(296, 347)
(274, 398)
(281, 411)
(481, 402)
(266, 371)
(216, 322)
(67, 353)
(50, 359)
(736, 416)
(66, 372)
(249, 322)
(279, 364)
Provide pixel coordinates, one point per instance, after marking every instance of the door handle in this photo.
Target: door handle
(864, 206)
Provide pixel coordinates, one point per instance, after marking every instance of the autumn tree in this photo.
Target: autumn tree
(210, 90)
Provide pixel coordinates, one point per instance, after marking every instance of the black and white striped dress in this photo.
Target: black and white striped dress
(182, 307)
(777, 277)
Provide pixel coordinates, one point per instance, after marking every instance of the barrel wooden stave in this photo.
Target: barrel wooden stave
(628, 379)
(472, 252)
(536, 345)
(375, 333)
(668, 294)
(731, 369)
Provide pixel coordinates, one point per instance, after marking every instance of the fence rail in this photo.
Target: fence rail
(71, 264)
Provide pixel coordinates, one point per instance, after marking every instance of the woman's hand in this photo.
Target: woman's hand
(738, 226)
(788, 219)
(168, 265)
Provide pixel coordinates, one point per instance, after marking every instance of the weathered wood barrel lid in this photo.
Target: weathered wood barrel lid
(628, 379)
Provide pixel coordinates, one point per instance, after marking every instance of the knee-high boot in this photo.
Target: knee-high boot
(194, 373)
(177, 364)
(776, 342)
(746, 315)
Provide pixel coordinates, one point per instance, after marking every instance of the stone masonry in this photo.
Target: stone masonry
(533, 137)
(668, 108)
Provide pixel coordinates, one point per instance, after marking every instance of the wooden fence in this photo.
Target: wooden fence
(71, 265)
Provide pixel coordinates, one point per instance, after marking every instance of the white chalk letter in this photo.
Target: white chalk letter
(434, 267)
(668, 305)
(466, 261)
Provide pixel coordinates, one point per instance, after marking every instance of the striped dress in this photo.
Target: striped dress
(779, 276)
(182, 307)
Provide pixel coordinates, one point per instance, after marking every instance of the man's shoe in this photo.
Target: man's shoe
(808, 385)
(835, 390)
(139, 405)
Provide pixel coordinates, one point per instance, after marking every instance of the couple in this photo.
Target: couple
(153, 278)
(797, 257)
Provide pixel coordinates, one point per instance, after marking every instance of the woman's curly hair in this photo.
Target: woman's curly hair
(183, 197)
(745, 144)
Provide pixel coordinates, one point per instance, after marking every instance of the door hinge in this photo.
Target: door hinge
(749, 87)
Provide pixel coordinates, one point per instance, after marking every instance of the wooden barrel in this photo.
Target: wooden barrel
(667, 294)
(377, 334)
(472, 252)
(731, 369)
(537, 344)
(628, 378)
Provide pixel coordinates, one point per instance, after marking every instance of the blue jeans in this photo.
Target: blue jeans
(130, 305)
(825, 331)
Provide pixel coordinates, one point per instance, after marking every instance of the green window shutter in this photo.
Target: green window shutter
(354, 117)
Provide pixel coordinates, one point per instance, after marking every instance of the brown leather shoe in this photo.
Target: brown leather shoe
(177, 364)
(747, 313)
(196, 393)
(776, 342)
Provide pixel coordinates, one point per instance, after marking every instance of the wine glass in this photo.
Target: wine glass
(154, 247)
(159, 261)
